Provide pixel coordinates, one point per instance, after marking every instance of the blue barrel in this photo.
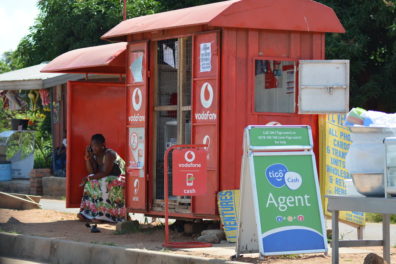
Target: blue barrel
(5, 172)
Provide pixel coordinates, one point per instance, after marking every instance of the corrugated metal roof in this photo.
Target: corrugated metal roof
(293, 15)
(31, 78)
(107, 59)
(29, 73)
(191, 16)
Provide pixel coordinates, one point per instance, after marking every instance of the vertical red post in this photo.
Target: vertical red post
(125, 9)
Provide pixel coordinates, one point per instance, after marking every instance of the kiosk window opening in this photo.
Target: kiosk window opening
(274, 86)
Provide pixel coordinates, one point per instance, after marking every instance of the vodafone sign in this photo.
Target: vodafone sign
(137, 99)
(189, 171)
(136, 105)
(206, 103)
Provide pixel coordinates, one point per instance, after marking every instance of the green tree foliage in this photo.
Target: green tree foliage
(9, 62)
(370, 44)
(4, 121)
(4, 67)
(64, 25)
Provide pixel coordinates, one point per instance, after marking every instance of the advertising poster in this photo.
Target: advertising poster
(189, 172)
(136, 66)
(228, 202)
(280, 180)
(289, 206)
(136, 148)
(335, 145)
(279, 136)
(205, 57)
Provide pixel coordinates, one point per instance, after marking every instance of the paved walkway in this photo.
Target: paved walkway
(4, 260)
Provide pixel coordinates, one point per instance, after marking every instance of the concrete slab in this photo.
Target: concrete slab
(33, 198)
(54, 186)
(4, 260)
(10, 201)
(15, 186)
(63, 251)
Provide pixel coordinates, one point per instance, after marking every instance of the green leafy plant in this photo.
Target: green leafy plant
(376, 218)
(43, 150)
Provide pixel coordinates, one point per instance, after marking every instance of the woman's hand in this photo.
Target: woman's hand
(84, 181)
(88, 153)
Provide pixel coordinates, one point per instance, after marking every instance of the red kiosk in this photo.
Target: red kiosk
(198, 75)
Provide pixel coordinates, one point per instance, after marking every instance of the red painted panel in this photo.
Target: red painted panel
(208, 135)
(207, 204)
(306, 46)
(205, 112)
(92, 108)
(136, 192)
(228, 107)
(274, 43)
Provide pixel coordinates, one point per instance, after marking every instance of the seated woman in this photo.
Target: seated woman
(103, 197)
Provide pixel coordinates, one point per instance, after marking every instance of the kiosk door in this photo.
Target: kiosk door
(171, 112)
(136, 193)
(206, 113)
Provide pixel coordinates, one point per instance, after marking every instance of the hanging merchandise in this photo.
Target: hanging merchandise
(168, 56)
(15, 101)
(270, 80)
(261, 66)
(44, 95)
(288, 74)
(33, 99)
(3, 97)
(277, 70)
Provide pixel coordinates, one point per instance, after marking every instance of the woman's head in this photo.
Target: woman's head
(97, 143)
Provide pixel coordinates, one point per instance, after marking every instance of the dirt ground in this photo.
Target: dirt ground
(48, 223)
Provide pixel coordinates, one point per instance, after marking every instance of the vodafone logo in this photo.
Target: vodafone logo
(206, 102)
(137, 99)
(136, 186)
(206, 141)
(189, 156)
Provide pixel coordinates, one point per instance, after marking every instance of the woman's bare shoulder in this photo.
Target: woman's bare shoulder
(111, 153)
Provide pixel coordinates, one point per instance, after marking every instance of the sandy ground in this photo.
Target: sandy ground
(54, 224)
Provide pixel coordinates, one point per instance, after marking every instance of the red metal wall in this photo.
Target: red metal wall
(239, 50)
(92, 108)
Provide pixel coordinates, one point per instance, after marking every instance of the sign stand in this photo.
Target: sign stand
(168, 243)
(279, 178)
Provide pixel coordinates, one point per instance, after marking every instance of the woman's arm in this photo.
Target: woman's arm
(108, 163)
